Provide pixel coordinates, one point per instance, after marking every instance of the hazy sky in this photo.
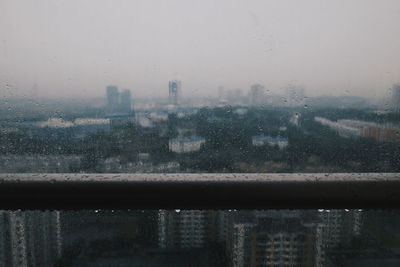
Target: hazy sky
(77, 47)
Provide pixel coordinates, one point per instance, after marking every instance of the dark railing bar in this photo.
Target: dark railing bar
(200, 191)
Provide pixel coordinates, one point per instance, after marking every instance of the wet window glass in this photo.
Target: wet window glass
(154, 87)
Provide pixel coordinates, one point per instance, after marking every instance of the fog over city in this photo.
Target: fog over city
(76, 48)
(118, 117)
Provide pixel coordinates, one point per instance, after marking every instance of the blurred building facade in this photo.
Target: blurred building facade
(119, 107)
(30, 238)
(340, 226)
(261, 140)
(126, 101)
(118, 102)
(112, 99)
(386, 132)
(174, 92)
(186, 144)
(257, 95)
(182, 229)
(275, 238)
(396, 97)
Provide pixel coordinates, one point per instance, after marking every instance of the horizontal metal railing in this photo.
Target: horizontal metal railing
(199, 191)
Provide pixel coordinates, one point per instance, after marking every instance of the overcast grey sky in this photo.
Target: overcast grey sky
(77, 47)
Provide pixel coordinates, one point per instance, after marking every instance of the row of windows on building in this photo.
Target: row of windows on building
(29, 238)
(252, 238)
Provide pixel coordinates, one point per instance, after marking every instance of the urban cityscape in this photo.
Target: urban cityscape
(266, 101)
(233, 132)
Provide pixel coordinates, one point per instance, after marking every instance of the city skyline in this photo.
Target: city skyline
(388, 97)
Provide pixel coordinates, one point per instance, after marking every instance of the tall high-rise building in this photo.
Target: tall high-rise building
(30, 238)
(175, 91)
(119, 107)
(8, 255)
(275, 239)
(256, 95)
(238, 242)
(126, 102)
(183, 229)
(112, 99)
(396, 97)
(288, 242)
(191, 229)
(340, 227)
(118, 102)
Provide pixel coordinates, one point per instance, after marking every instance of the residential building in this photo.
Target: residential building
(118, 102)
(182, 229)
(343, 129)
(239, 238)
(126, 102)
(354, 128)
(257, 95)
(112, 99)
(30, 238)
(175, 91)
(262, 140)
(340, 226)
(285, 243)
(186, 144)
(121, 120)
(279, 238)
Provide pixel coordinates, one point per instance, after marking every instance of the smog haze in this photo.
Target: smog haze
(76, 48)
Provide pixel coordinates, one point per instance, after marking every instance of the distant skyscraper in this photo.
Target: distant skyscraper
(119, 107)
(112, 99)
(118, 102)
(175, 88)
(256, 97)
(396, 97)
(126, 102)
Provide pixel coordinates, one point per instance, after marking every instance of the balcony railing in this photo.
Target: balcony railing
(199, 191)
